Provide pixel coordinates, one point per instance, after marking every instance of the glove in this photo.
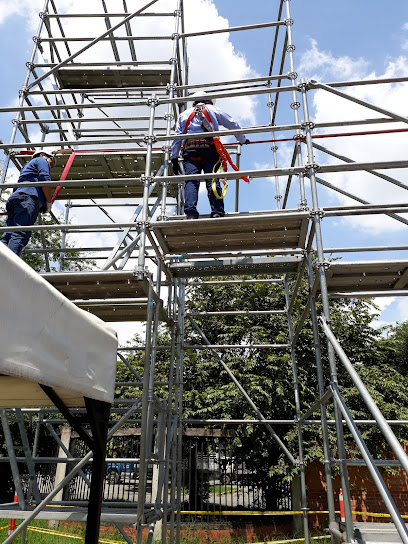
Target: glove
(176, 168)
(247, 141)
(48, 208)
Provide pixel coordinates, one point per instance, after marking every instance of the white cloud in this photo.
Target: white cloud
(383, 303)
(402, 308)
(26, 9)
(324, 66)
(328, 107)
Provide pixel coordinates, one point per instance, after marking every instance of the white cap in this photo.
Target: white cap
(202, 95)
(48, 151)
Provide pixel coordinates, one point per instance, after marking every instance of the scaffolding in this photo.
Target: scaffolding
(112, 123)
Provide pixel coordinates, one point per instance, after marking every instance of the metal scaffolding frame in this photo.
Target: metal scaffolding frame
(112, 122)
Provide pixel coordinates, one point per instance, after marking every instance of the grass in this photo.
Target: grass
(218, 489)
(39, 533)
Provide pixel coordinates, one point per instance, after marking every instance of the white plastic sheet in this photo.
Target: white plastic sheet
(45, 338)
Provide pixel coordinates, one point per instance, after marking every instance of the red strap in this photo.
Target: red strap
(206, 115)
(225, 156)
(189, 121)
(64, 175)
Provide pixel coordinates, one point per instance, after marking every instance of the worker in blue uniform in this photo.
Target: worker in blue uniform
(25, 203)
(200, 154)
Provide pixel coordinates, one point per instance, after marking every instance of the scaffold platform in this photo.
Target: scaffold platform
(101, 165)
(234, 267)
(112, 77)
(368, 276)
(107, 87)
(260, 230)
(112, 296)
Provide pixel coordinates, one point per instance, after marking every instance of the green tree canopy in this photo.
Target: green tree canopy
(267, 375)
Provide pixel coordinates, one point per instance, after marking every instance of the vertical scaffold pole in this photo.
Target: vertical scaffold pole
(311, 168)
(144, 446)
(179, 402)
(321, 391)
(298, 414)
(151, 402)
(170, 432)
(169, 115)
(175, 419)
(147, 180)
(295, 105)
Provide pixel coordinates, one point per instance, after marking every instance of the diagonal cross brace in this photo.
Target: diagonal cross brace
(248, 398)
(93, 42)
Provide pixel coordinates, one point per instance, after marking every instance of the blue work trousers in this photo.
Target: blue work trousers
(22, 210)
(197, 161)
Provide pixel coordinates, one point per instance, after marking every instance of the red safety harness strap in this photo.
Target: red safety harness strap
(194, 113)
(222, 152)
(207, 116)
(190, 117)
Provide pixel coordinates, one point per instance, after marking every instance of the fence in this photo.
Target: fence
(215, 477)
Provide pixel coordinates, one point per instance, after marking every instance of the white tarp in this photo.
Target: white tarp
(45, 338)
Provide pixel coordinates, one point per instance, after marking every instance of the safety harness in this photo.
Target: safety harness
(203, 115)
(225, 158)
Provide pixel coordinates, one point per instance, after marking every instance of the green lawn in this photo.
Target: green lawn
(39, 532)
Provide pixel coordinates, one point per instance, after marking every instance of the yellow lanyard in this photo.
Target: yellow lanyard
(224, 181)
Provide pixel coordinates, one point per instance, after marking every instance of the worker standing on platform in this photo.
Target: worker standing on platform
(200, 155)
(25, 203)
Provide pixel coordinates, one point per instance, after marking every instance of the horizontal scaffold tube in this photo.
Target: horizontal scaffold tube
(290, 171)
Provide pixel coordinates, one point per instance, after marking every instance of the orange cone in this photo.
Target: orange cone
(341, 501)
(12, 524)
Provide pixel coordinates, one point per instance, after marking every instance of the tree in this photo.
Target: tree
(395, 345)
(267, 374)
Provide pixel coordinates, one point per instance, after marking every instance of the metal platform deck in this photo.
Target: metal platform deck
(103, 165)
(376, 533)
(240, 232)
(112, 78)
(111, 296)
(236, 267)
(367, 276)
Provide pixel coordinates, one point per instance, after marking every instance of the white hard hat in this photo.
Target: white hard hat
(201, 94)
(48, 151)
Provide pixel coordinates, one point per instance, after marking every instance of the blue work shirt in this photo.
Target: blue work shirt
(218, 117)
(37, 169)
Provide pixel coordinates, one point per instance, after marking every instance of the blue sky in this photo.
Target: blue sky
(335, 41)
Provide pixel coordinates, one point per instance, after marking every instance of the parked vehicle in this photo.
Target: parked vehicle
(217, 466)
(117, 471)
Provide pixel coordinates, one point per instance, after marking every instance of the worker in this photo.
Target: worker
(200, 154)
(25, 203)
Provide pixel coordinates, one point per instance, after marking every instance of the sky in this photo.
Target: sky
(335, 41)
